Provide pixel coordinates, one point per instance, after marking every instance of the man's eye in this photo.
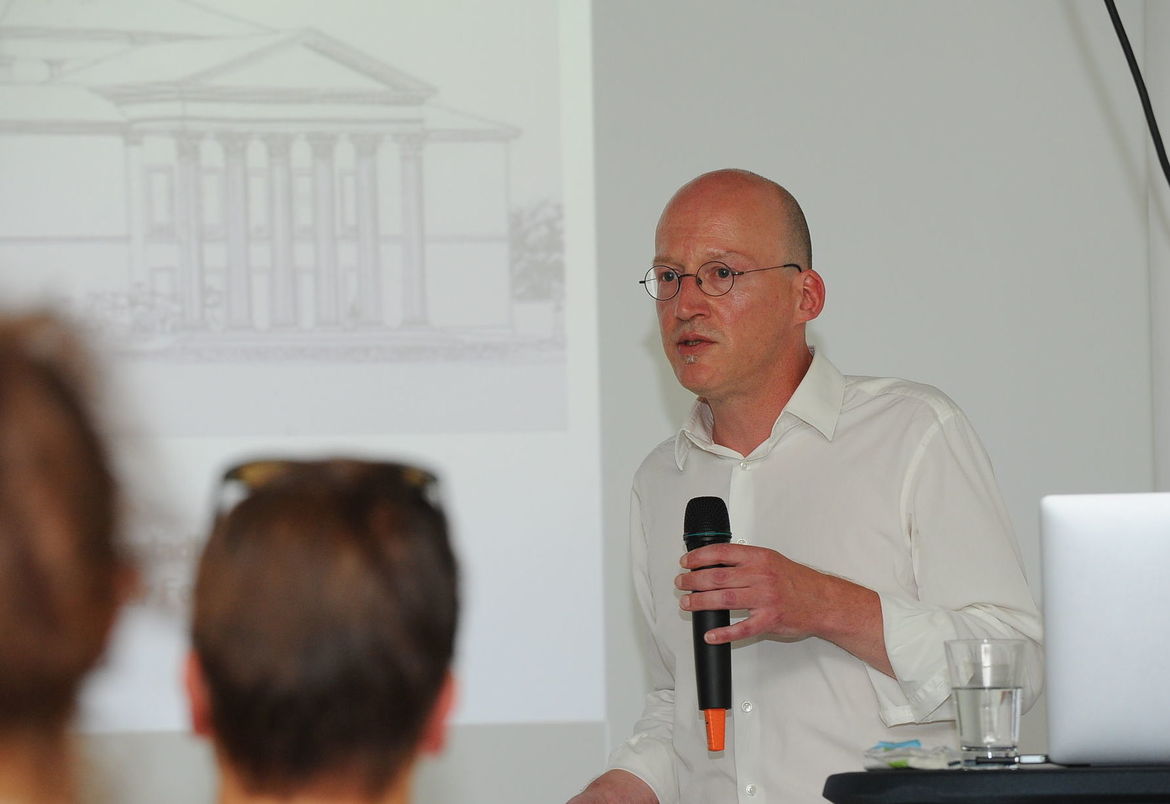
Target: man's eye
(723, 272)
(668, 276)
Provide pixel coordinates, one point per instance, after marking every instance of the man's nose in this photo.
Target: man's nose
(690, 300)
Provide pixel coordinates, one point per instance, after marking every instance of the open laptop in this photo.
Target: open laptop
(1105, 560)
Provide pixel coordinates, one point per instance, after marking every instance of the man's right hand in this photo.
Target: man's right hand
(616, 787)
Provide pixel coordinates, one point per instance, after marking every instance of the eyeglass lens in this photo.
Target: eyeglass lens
(713, 278)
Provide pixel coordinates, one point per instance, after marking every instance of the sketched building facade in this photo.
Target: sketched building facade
(194, 180)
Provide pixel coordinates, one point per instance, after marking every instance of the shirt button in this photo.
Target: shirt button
(746, 706)
(750, 790)
(744, 465)
(741, 541)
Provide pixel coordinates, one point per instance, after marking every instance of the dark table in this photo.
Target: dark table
(1024, 785)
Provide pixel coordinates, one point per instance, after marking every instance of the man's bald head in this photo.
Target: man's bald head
(773, 205)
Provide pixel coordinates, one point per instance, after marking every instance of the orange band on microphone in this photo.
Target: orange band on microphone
(716, 728)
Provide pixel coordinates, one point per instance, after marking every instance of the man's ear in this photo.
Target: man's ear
(812, 295)
(434, 735)
(198, 697)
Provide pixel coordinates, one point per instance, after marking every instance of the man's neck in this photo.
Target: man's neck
(741, 429)
(742, 423)
(232, 791)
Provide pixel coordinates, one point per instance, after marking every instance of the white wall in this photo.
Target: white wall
(1157, 77)
(974, 175)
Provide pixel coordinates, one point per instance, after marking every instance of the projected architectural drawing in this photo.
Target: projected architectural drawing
(207, 189)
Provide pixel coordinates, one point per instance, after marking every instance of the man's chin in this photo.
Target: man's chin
(692, 375)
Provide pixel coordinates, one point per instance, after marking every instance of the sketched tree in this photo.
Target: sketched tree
(538, 252)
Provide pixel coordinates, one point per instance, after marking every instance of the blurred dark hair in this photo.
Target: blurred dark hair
(324, 622)
(59, 563)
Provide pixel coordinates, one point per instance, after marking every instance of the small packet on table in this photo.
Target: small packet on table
(911, 754)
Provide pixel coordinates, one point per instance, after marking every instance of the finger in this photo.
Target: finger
(715, 554)
(744, 629)
(708, 579)
(719, 600)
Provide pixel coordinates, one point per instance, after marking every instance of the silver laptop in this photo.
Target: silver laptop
(1105, 560)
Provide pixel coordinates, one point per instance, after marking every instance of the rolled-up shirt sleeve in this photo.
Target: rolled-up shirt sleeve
(969, 576)
(649, 753)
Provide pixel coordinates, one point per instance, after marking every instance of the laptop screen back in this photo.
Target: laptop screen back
(1105, 560)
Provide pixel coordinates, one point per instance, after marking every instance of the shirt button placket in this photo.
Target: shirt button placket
(742, 497)
(744, 476)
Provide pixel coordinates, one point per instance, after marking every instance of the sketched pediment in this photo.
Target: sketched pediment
(286, 66)
(151, 66)
(135, 20)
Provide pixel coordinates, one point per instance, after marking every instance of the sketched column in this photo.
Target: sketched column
(189, 228)
(414, 279)
(282, 274)
(239, 269)
(135, 208)
(325, 228)
(369, 275)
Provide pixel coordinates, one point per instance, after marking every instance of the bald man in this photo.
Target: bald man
(868, 527)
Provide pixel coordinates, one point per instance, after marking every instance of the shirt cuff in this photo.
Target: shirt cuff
(914, 637)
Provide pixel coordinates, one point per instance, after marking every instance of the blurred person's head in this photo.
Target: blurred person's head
(60, 568)
(324, 623)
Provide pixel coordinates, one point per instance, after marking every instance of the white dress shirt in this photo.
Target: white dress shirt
(880, 481)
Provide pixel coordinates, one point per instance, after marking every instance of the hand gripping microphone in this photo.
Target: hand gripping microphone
(706, 522)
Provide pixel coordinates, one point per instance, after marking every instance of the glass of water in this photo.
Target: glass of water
(987, 685)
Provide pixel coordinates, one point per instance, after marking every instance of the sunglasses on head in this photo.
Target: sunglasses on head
(242, 479)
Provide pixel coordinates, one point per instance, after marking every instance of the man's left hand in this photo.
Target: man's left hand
(784, 599)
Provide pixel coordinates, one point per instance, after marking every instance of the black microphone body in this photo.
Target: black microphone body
(706, 522)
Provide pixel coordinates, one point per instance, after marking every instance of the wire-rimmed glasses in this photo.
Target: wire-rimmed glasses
(714, 278)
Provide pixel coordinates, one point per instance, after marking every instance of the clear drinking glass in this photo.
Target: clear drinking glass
(987, 685)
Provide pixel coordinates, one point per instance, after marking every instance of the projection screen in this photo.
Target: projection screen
(297, 228)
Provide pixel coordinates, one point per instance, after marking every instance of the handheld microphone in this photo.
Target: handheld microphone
(706, 522)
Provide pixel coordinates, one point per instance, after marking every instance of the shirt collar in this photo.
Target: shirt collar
(816, 401)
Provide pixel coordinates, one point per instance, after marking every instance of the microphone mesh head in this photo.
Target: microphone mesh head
(706, 514)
